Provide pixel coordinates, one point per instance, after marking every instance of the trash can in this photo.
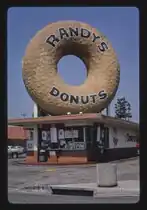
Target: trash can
(43, 156)
(106, 175)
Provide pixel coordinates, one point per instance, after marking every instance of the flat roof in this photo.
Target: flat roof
(90, 117)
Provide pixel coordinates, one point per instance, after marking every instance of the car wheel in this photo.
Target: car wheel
(15, 155)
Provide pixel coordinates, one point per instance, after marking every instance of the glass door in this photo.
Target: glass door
(91, 137)
(104, 137)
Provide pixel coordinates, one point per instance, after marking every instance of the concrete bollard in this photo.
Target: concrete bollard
(106, 175)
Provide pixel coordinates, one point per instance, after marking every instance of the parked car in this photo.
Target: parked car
(15, 151)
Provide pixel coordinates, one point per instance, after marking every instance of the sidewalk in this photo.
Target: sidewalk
(124, 188)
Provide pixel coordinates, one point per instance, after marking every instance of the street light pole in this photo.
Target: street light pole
(24, 115)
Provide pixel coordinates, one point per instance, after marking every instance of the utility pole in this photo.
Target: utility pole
(23, 115)
(108, 110)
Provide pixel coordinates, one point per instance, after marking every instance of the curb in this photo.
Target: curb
(36, 189)
(94, 191)
(53, 164)
(124, 160)
(76, 193)
(71, 164)
(82, 191)
(31, 192)
(119, 192)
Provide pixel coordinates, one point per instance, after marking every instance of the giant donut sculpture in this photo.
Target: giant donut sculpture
(45, 85)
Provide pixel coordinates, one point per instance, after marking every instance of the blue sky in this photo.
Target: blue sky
(119, 24)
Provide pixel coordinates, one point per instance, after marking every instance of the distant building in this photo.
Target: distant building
(17, 135)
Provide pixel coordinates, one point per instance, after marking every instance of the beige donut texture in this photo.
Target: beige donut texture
(45, 85)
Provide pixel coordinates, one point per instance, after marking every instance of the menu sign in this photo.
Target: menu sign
(72, 145)
(68, 134)
(30, 145)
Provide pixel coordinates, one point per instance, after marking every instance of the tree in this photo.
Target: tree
(123, 109)
(120, 108)
(128, 114)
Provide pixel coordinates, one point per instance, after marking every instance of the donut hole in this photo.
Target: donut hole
(78, 49)
(72, 70)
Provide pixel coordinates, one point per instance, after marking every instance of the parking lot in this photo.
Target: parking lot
(21, 176)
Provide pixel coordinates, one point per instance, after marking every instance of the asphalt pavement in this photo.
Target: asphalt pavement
(21, 176)
(14, 197)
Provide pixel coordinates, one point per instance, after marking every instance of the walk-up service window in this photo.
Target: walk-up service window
(71, 138)
(104, 136)
(30, 140)
(44, 138)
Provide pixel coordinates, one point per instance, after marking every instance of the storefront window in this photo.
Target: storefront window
(31, 133)
(71, 138)
(44, 138)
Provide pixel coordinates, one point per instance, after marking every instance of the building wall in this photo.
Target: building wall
(16, 142)
(118, 137)
(120, 144)
(122, 138)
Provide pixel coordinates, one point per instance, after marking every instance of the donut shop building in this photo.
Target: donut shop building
(80, 138)
(69, 135)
